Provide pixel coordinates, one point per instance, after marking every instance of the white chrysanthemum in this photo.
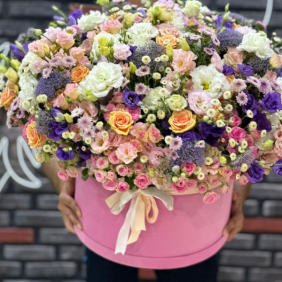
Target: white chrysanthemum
(88, 22)
(142, 32)
(256, 43)
(210, 80)
(152, 100)
(27, 81)
(113, 37)
(102, 79)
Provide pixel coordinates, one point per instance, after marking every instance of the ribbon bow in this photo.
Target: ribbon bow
(142, 202)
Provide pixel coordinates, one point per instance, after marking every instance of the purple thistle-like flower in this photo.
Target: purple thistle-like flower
(240, 19)
(188, 153)
(242, 98)
(259, 66)
(51, 85)
(68, 61)
(42, 123)
(265, 86)
(229, 38)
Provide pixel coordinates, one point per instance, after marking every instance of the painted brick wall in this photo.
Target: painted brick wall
(34, 245)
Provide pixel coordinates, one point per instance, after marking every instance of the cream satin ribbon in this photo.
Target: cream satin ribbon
(142, 202)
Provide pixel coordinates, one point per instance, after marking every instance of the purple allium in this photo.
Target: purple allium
(42, 123)
(151, 49)
(253, 80)
(142, 89)
(255, 173)
(65, 156)
(51, 85)
(130, 98)
(228, 70)
(210, 133)
(277, 168)
(188, 153)
(265, 86)
(19, 54)
(229, 38)
(68, 61)
(242, 98)
(272, 102)
(238, 85)
(245, 70)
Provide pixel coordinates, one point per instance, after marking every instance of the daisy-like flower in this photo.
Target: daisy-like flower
(55, 62)
(142, 71)
(137, 20)
(77, 112)
(173, 155)
(265, 86)
(84, 122)
(191, 22)
(275, 85)
(125, 82)
(46, 72)
(71, 30)
(195, 37)
(142, 89)
(215, 40)
(238, 85)
(253, 80)
(242, 99)
(88, 133)
(175, 143)
(68, 62)
(209, 51)
(15, 104)
(20, 114)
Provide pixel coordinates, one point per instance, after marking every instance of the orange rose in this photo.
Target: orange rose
(35, 140)
(182, 121)
(78, 73)
(120, 121)
(7, 98)
(168, 39)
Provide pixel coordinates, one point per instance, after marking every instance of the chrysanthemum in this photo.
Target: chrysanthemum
(77, 112)
(275, 85)
(55, 62)
(46, 72)
(238, 85)
(175, 143)
(173, 155)
(15, 104)
(265, 86)
(141, 89)
(195, 37)
(68, 62)
(242, 98)
(142, 71)
(20, 114)
(88, 133)
(253, 80)
(84, 122)
(209, 51)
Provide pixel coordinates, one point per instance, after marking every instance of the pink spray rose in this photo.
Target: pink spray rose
(202, 188)
(94, 161)
(72, 172)
(122, 187)
(102, 163)
(233, 56)
(154, 134)
(211, 197)
(111, 26)
(134, 113)
(122, 170)
(100, 175)
(111, 175)
(142, 181)
(138, 167)
(191, 183)
(110, 185)
(190, 168)
(114, 159)
(237, 133)
(236, 121)
(244, 179)
(63, 175)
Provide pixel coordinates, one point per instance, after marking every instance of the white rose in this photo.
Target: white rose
(192, 8)
(102, 79)
(142, 32)
(210, 80)
(151, 101)
(88, 22)
(257, 44)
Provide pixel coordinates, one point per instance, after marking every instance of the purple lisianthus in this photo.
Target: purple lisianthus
(210, 133)
(277, 168)
(255, 173)
(71, 20)
(251, 104)
(76, 14)
(19, 54)
(228, 70)
(65, 156)
(190, 136)
(58, 19)
(245, 70)
(84, 153)
(130, 98)
(57, 129)
(262, 122)
(272, 102)
(226, 24)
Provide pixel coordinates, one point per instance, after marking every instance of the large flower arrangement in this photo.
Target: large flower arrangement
(169, 94)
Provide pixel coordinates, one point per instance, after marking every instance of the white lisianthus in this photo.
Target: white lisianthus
(257, 44)
(279, 81)
(274, 119)
(279, 115)
(102, 79)
(110, 37)
(210, 80)
(192, 8)
(142, 32)
(176, 102)
(179, 23)
(88, 22)
(152, 100)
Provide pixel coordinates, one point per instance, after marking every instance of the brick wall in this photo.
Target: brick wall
(34, 245)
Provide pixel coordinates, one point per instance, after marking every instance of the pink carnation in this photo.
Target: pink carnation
(211, 197)
(183, 61)
(237, 133)
(63, 175)
(122, 187)
(142, 181)
(110, 185)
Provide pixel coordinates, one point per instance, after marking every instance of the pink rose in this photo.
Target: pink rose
(190, 168)
(197, 99)
(142, 181)
(168, 29)
(202, 188)
(138, 167)
(118, 98)
(122, 170)
(211, 197)
(121, 51)
(39, 48)
(94, 161)
(225, 188)
(213, 179)
(122, 187)
(63, 175)
(111, 175)
(191, 184)
(77, 52)
(237, 133)
(179, 189)
(60, 102)
(110, 185)
(250, 140)
(83, 61)
(86, 46)
(102, 163)
(233, 56)
(154, 134)
(236, 121)
(111, 26)
(114, 159)
(244, 179)
(216, 61)
(130, 172)
(72, 172)
(100, 175)
(65, 39)
(134, 113)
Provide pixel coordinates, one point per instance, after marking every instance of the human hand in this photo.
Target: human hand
(236, 220)
(69, 207)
